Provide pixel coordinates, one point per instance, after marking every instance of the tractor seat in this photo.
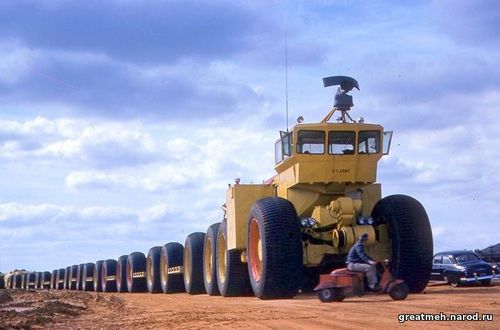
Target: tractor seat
(346, 272)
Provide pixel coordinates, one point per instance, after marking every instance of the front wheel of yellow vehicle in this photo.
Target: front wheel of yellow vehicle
(274, 249)
(410, 238)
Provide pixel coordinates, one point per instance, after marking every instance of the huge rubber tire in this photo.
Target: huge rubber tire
(79, 277)
(61, 276)
(274, 249)
(193, 263)
(38, 280)
(232, 274)
(97, 276)
(2, 282)
(88, 277)
(121, 274)
(411, 239)
(24, 282)
(108, 276)
(45, 282)
(17, 280)
(31, 281)
(53, 280)
(67, 275)
(210, 260)
(153, 273)
(72, 277)
(171, 267)
(136, 272)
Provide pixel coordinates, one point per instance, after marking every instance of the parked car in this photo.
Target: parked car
(461, 267)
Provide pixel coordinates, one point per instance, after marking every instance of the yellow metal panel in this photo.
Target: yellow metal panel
(239, 200)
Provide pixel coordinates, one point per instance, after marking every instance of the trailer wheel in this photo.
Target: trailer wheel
(171, 266)
(193, 263)
(136, 272)
(274, 249)
(79, 277)
(2, 282)
(46, 280)
(61, 275)
(210, 260)
(399, 291)
(153, 270)
(97, 276)
(88, 277)
(232, 274)
(411, 239)
(108, 276)
(72, 277)
(121, 274)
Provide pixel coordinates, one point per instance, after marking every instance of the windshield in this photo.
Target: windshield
(466, 257)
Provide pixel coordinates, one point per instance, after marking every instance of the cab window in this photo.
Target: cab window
(341, 142)
(369, 142)
(283, 147)
(438, 260)
(447, 261)
(311, 142)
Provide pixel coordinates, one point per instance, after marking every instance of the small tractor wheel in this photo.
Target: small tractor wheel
(274, 249)
(171, 267)
(97, 276)
(232, 274)
(411, 239)
(193, 263)
(121, 274)
(210, 260)
(153, 269)
(108, 276)
(399, 291)
(486, 282)
(325, 295)
(136, 272)
(88, 277)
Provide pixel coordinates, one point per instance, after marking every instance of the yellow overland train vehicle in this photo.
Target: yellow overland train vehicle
(279, 235)
(276, 237)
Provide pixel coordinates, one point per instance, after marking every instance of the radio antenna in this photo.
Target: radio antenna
(286, 78)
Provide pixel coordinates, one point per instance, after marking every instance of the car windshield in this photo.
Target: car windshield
(466, 257)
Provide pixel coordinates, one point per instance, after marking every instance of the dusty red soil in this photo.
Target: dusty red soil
(82, 310)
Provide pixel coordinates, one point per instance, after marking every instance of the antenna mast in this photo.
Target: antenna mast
(286, 78)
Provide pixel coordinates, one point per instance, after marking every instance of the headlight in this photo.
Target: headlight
(311, 222)
(370, 221)
(361, 221)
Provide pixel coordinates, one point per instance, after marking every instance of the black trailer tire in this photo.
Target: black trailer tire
(88, 277)
(97, 276)
(399, 291)
(108, 276)
(210, 260)
(411, 239)
(171, 267)
(38, 280)
(136, 272)
(232, 274)
(153, 273)
(53, 280)
(24, 281)
(72, 277)
(31, 280)
(61, 277)
(79, 277)
(121, 274)
(17, 280)
(193, 263)
(2, 281)
(46, 280)
(67, 275)
(274, 249)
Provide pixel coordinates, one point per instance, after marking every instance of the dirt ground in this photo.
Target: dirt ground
(83, 310)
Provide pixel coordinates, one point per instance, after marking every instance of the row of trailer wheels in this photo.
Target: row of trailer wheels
(271, 268)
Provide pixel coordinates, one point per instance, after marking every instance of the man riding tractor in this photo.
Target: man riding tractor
(359, 261)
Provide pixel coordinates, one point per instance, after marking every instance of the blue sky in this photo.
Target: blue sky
(122, 122)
